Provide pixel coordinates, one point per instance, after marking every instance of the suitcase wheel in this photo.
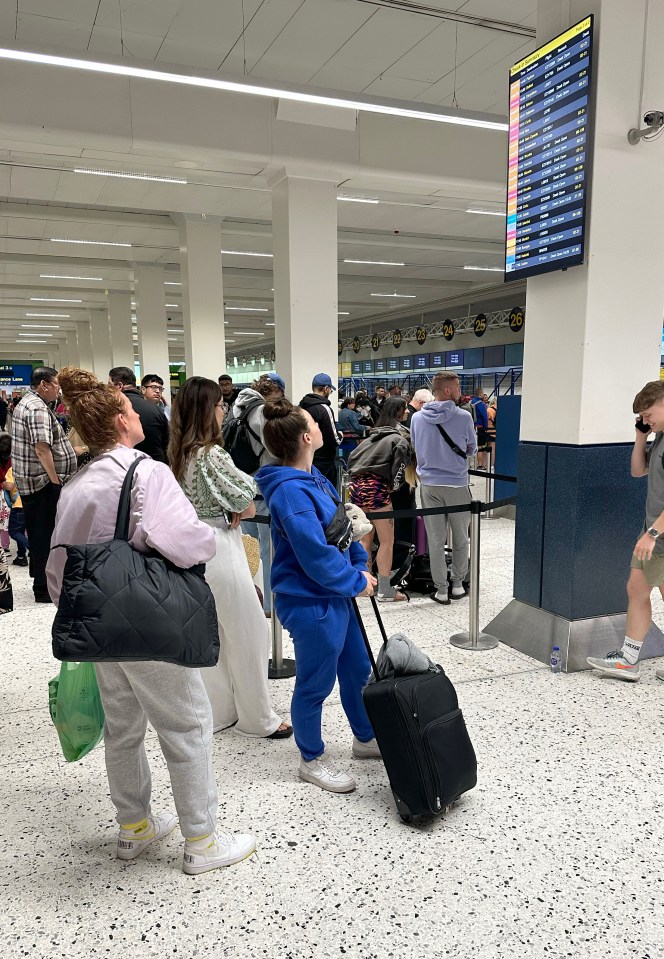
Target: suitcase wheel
(402, 809)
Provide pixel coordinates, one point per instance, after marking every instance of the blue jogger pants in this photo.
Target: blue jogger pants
(328, 644)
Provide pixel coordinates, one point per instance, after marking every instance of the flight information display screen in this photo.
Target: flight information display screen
(549, 154)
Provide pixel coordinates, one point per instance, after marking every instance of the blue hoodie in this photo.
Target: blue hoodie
(304, 565)
(437, 463)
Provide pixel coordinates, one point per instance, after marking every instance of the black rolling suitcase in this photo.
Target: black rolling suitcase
(428, 755)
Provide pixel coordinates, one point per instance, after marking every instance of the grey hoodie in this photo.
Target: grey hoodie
(255, 421)
(437, 463)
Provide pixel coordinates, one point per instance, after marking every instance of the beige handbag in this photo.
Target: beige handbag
(252, 552)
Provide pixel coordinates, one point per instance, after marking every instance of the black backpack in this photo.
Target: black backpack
(237, 440)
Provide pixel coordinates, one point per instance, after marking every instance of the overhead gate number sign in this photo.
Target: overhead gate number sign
(549, 155)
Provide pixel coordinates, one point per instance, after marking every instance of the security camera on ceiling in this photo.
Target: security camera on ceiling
(654, 121)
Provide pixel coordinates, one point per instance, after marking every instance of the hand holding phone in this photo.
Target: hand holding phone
(641, 426)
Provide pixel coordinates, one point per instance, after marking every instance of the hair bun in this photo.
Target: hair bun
(277, 408)
(75, 382)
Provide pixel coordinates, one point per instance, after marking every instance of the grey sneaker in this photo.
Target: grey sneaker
(615, 664)
(321, 773)
(222, 849)
(660, 674)
(369, 750)
(131, 844)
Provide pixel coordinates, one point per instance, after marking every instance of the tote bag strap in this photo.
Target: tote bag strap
(122, 521)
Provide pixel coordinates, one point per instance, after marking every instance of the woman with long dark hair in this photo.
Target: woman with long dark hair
(378, 467)
(222, 496)
(313, 581)
(170, 696)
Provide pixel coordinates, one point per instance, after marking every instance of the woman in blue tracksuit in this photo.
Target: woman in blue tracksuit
(313, 583)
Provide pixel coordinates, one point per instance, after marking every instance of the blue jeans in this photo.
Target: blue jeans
(261, 531)
(328, 644)
(17, 530)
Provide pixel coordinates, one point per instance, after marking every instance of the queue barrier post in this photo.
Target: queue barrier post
(278, 667)
(474, 639)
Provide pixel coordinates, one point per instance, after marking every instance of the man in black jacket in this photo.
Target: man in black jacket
(153, 421)
(319, 408)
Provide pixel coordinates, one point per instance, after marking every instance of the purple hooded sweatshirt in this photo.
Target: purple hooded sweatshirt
(437, 463)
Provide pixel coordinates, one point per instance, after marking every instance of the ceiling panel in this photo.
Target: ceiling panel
(51, 31)
(263, 28)
(152, 17)
(83, 10)
(110, 41)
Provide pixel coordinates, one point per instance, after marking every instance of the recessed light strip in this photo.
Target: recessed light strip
(40, 326)
(247, 309)
(357, 199)
(487, 212)
(245, 253)
(50, 316)
(243, 333)
(376, 262)
(61, 239)
(373, 105)
(58, 276)
(32, 334)
(485, 269)
(132, 176)
(52, 299)
(400, 296)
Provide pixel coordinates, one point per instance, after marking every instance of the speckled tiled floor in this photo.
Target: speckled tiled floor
(535, 862)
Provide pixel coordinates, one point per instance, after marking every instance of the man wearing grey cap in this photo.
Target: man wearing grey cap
(318, 405)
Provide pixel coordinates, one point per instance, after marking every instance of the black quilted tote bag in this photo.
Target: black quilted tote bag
(119, 605)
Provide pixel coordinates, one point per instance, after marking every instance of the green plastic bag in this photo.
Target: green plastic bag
(76, 710)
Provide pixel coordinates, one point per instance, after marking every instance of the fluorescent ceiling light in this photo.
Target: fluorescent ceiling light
(51, 316)
(486, 269)
(401, 296)
(58, 276)
(175, 305)
(60, 239)
(376, 262)
(242, 333)
(32, 334)
(51, 299)
(131, 176)
(173, 338)
(247, 309)
(245, 253)
(171, 283)
(269, 324)
(32, 341)
(230, 341)
(40, 326)
(487, 212)
(358, 199)
(372, 105)
(342, 313)
(175, 330)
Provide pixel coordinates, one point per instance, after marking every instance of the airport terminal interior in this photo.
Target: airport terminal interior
(379, 191)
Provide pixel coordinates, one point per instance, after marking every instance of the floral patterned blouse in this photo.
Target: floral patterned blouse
(214, 485)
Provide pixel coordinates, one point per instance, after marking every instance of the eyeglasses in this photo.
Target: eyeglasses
(155, 387)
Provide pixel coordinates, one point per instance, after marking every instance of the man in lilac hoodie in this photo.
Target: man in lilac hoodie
(443, 436)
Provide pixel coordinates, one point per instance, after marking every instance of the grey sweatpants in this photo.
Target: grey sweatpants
(173, 699)
(436, 527)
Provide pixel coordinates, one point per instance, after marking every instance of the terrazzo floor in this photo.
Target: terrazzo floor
(556, 853)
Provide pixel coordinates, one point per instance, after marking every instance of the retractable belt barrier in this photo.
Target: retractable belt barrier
(473, 639)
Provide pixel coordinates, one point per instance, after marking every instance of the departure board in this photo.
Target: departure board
(549, 150)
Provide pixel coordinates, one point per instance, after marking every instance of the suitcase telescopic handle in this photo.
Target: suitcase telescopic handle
(364, 634)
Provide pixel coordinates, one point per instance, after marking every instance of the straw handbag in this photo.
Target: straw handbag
(252, 552)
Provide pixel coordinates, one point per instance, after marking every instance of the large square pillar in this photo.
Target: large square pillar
(592, 339)
(101, 343)
(84, 340)
(151, 321)
(120, 329)
(202, 297)
(304, 230)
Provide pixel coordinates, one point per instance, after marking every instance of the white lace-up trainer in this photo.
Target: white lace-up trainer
(321, 773)
(134, 839)
(368, 750)
(215, 851)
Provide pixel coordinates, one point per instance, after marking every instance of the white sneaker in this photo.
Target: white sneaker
(217, 850)
(369, 750)
(132, 842)
(320, 773)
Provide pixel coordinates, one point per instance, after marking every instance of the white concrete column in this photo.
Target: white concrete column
(84, 340)
(151, 313)
(120, 331)
(202, 297)
(101, 344)
(72, 349)
(595, 330)
(304, 230)
(62, 356)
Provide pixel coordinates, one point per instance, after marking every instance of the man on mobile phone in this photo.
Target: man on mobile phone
(647, 565)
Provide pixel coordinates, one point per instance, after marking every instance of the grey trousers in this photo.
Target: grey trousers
(174, 700)
(436, 527)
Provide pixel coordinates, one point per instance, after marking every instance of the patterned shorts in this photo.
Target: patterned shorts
(370, 492)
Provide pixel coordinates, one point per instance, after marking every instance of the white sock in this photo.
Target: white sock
(631, 650)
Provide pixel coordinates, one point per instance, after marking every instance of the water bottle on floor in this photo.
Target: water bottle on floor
(556, 661)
